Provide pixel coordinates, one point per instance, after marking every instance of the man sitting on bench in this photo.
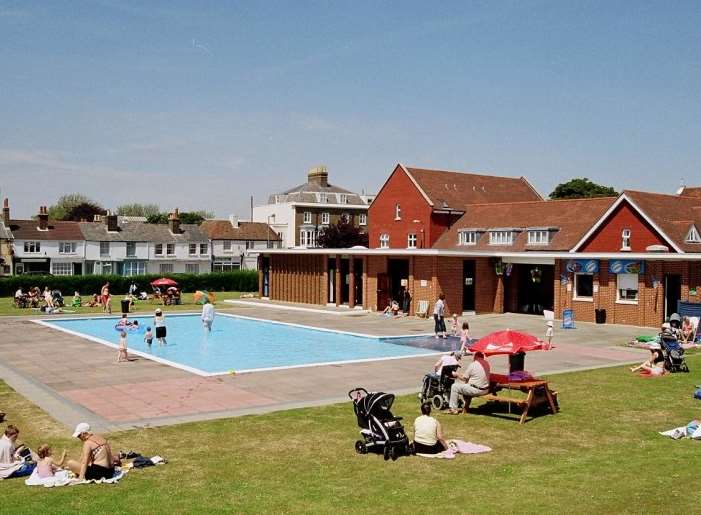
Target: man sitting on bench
(473, 383)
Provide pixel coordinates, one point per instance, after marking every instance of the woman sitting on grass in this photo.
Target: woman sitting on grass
(96, 460)
(655, 365)
(428, 434)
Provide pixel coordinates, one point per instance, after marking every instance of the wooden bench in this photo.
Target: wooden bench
(537, 390)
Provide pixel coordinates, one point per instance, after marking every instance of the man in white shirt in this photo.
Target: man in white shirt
(10, 465)
(207, 315)
(474, 383)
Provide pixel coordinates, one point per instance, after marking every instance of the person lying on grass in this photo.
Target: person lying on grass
(655, 364)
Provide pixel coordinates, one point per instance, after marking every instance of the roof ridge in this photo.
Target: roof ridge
(543, 201)
(521, 178)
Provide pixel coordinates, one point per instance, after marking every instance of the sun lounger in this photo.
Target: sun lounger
(422, 309)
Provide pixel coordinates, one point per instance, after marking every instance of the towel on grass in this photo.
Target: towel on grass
(457, 447)
(693, 432)
(60, 478)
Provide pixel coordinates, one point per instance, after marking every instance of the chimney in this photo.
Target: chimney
(318, 176)
(6, 212)
(111, 221)
(43, 218)
(234, 219)
(174, 221)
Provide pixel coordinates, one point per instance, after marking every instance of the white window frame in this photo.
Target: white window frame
(384, 240)
(131, 244)
(250, 244)
(32, 247)
(467, 238)
(501, 237)
(170, 249)
(343, 198)
(66, 247)
(574, 288)
(323, 198)
(105, 245)
(693, 235)
(227, 245)
(61, 268)
(538, 237)
(192, 249)
(362, 219)
(204, 249)
(411, 240)
(307, 219)
(192, 268)
(132, 268)
(625, 239)
(325, 218)
(397, 211)
(307, 238)
(158, 249)
(165, 268)
(633, 279)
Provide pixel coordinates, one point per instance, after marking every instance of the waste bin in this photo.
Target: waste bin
(125, 305)
(600, 315)
(517, 362)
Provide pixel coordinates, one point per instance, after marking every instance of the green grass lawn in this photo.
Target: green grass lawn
(7, 306)
(600, 454)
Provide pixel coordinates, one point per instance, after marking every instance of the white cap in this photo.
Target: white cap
(83, 427)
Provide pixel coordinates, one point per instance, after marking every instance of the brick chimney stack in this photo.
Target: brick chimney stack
(43, 218)
(6, 212)
(318, 176)
(174, 221)
(111, 221)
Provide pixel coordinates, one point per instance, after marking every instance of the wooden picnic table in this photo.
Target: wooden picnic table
(537, 392)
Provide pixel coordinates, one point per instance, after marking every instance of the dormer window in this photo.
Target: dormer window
(693, 235)
(344, 198)
(397, 212)
(467, 238)
(323, 198)
(625, 239)
(538, 237)
(501, 237)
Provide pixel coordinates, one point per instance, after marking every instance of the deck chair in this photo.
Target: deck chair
(422, 309)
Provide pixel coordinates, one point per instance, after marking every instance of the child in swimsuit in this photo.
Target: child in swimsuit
(454, 325)
(122, 352)
(148, 336)
(465, 338)
(47, 467)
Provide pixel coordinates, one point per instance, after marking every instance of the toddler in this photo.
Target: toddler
(148, 336)
(47, 467)
(465, 338)
(549, 332)
(454, 325)
(122, 353)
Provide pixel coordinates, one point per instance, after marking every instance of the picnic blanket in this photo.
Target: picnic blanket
(64, 478)
(456, 447)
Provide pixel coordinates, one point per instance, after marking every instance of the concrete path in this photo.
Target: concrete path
(75, 380)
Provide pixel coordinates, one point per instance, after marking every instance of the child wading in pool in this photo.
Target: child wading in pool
(148, 336)
(122, 352)
(159, 323)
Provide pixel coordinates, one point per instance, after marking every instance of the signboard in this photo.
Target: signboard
(424, 283)
(626, 266)
(589, 266)
(568, 319)
(404, 282)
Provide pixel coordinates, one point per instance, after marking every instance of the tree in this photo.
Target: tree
(192, 217)
(342, 235)
(581, 188)
(84, 211)
(64, 204)
(138, 210)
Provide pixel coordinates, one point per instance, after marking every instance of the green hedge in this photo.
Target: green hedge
(238, 280)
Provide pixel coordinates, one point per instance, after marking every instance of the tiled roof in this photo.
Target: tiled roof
(673, 214)
(691, 191)
(457, 190)
(223, 230)
(139, 231)
(571, 218)
(29, 230)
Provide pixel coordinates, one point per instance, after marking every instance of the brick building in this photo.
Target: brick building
(634, 257)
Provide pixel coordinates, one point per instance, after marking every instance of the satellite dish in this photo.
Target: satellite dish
(657, 248)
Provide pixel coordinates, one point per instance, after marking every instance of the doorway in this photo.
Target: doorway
(468, 285)
(672, 293)
(398, 270)
(358, 272)
(331, 283)
(345, 281)
(77, 268)
(534, 288)
(383, 292)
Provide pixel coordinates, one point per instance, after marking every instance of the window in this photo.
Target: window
(158, 250)
(192, 249)
(362, 219)
(323, 198)
(627, 288)
(411, 241)
(227, 245)
(104, 248)
(583, 286)
(625, 239)
(346, 217)
(501, 237)
(66, 247)
(344, 198)
(307, 217)
(192, 268)
(538, 237)
(62, 268)
(170, 249)
(131, 248)
(249, 244)
(225, 265)
(165, 268)
(384, 241)
(325, 218)
(277, 199)
(204, 249)
(32, 247)
(397, 212)
(307, 238)
(134, 268)
(693, 235)
(467, 238)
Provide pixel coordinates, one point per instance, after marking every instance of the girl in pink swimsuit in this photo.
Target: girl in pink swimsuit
(47, 467)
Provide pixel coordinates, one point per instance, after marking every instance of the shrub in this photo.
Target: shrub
(238, 280)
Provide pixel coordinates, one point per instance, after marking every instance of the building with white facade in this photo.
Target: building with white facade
(299, 213)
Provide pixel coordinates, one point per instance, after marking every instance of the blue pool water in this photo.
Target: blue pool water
(242, 344)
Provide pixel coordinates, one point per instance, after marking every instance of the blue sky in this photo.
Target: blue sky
(201, 105)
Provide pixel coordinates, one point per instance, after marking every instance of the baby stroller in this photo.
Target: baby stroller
(436, 390)
(382, 432)
(673, 353)
(57, 297)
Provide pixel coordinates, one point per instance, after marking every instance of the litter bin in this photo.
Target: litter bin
(125, 305)
(600, 315)
(517, 362)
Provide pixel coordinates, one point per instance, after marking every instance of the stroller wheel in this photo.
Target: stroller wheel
(387, 452)
(360, 447)
(437, 402)
(393, 453)
(410, 451)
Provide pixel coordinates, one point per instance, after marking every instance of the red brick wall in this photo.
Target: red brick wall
(608, 237)
(399, 189)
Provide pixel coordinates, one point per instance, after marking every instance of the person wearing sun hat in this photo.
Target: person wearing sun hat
(655, 365)
(96, 460)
